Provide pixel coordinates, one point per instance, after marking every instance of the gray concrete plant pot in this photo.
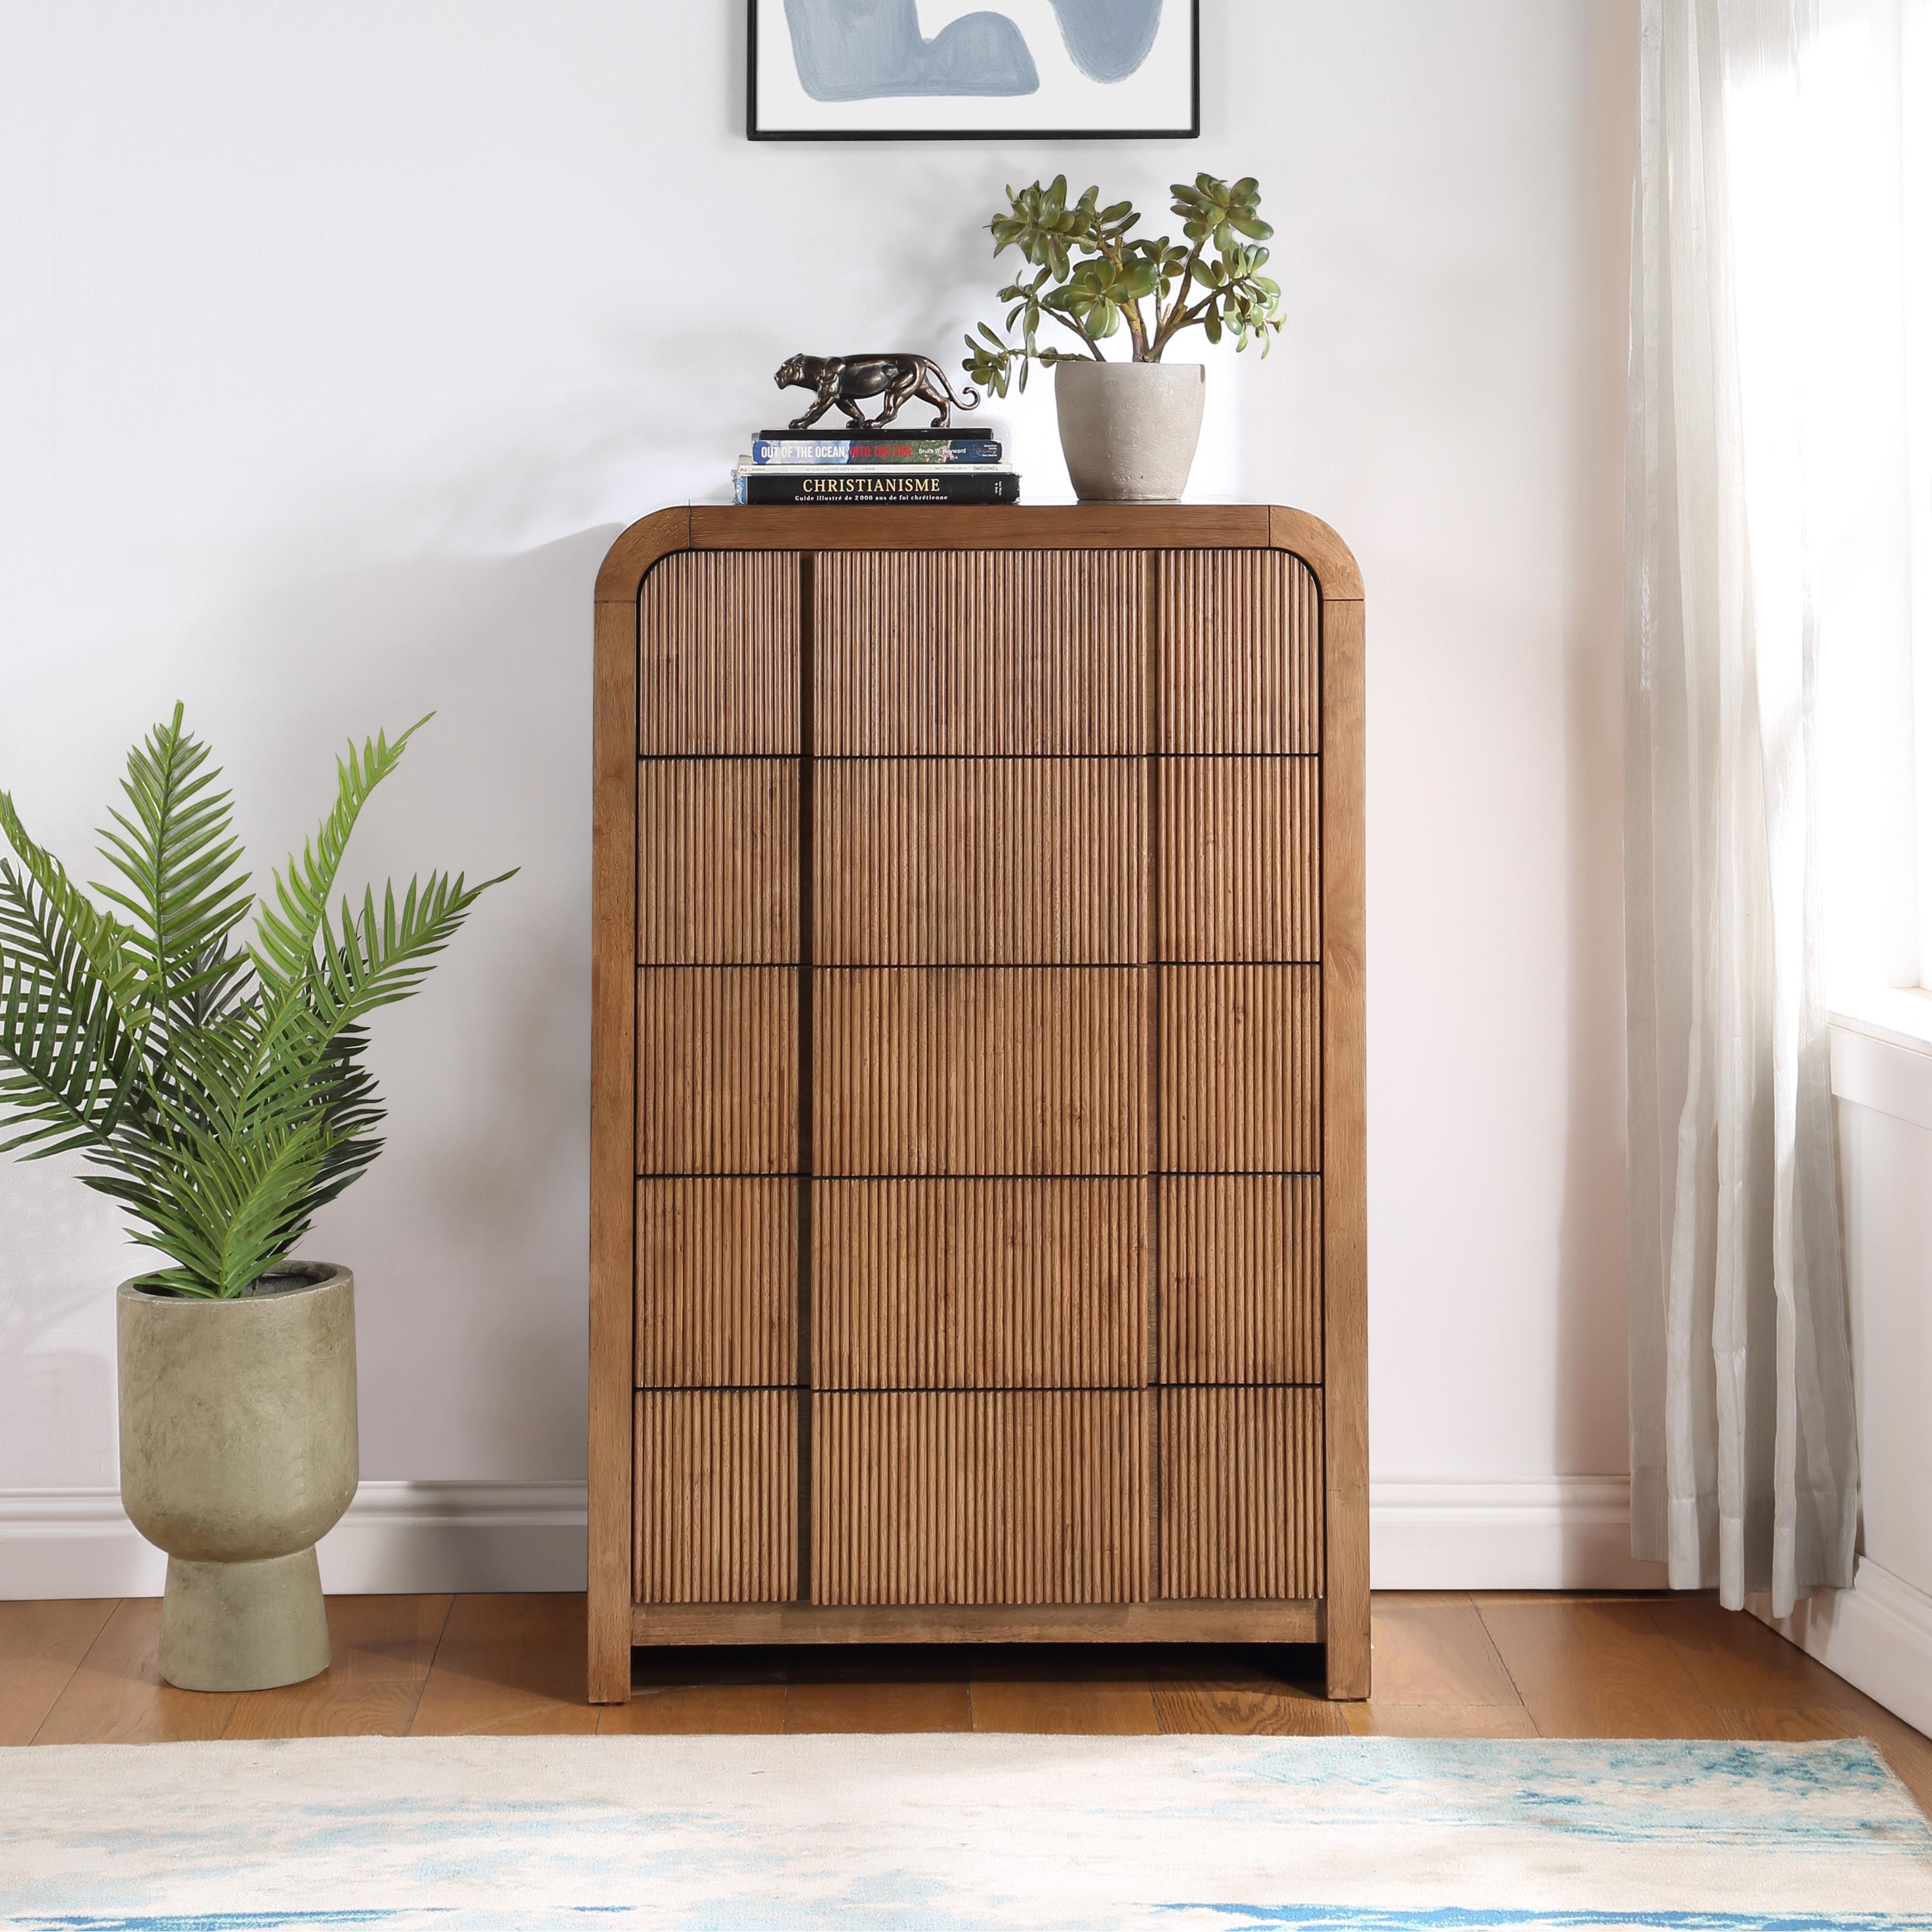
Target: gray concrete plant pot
(238, 1452)
(1129, 429)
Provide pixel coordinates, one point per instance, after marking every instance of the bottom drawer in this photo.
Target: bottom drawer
(716, 1497)
(1032, 1497)
(1241, 1477)
(942, 1497)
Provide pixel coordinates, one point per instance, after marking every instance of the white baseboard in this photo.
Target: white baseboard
(397, 1537)
(1570, 1534)
(1876, 1635)
(1573, 1533)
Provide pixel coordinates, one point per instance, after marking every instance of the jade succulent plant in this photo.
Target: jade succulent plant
(1096, 281)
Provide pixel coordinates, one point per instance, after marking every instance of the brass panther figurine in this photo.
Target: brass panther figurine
(898, 379)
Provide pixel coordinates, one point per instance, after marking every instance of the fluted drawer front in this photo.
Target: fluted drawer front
(718, 655)
(1240, 661)
(980, 861)
(1241, 840)
(1006, 652)
(716, 1497)
(1240, 1069)
(1004, 1071)
(1241, 1492)
(959, 1499)
(980, 1284)
(717, 1069)
(717, 1283)
(1240, 1278)
(717, 861)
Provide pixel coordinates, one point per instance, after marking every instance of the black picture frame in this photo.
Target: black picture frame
(1192, 132)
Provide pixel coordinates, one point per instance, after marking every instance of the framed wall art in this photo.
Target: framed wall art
(973, 70)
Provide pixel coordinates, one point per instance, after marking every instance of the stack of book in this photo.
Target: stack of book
(875, 466)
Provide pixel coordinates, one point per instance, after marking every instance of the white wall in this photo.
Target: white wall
(338, 337)
(1887, 1168)
(1879, 1632)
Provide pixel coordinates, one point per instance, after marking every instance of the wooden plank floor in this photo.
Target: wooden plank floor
(1447, 1665)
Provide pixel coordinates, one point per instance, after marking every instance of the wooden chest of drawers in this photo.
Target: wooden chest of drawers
(977, 1238)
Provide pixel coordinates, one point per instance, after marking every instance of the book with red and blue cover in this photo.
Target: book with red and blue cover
(936, 446)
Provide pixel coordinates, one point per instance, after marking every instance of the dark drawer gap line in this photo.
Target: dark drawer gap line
(992, 1391)
(1053, 965)
(1132, 1173)
(1060, 965)
(720, 1174)
(722, 965)
(1136, 1173)
(808, 590)
(1018, 757)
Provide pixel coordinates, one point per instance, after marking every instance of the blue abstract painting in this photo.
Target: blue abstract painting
(946, 69)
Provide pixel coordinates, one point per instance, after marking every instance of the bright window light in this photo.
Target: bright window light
(1832, 203)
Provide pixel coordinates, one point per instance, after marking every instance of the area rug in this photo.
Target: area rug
(944, 1834)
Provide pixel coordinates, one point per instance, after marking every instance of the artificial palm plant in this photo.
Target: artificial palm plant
(215, 1081)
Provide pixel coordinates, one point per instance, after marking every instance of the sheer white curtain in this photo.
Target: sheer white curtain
(1743, 1447)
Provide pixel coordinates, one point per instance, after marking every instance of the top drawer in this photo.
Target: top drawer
(718, 655)
(978, 653)
(1012, 653)
(1241, 652)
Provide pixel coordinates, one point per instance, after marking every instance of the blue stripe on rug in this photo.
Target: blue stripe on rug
(209, 1921)
(1464, 1919)
(1246, 1918)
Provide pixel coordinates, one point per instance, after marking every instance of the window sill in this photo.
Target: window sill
(1881, 1053)
(1901, 1016)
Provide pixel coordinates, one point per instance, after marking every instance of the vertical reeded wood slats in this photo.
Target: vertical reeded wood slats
(1242, 842)
(1018, 652)
(958, 1072)
(957, 1499)
(1240, 1069)
(980, 1284)
(717, 1069)
(716, 1497)
(1240, 661)
(717, 861)
(1240, 1278)
(1028, 769)
(718, 655)
(717, 1283)
(1241, 1492)
(980, 861)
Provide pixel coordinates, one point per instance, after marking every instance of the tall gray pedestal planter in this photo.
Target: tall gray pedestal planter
(238, 1453)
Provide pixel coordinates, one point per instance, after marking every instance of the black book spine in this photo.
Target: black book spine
(838, 484)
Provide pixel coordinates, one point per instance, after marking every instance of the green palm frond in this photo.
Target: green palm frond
(285, 933)
(353, 1110)
(177, 856)
(101, 938)
(222, 1095)
(65, 1053)
(366, 961)
(225, 1209)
